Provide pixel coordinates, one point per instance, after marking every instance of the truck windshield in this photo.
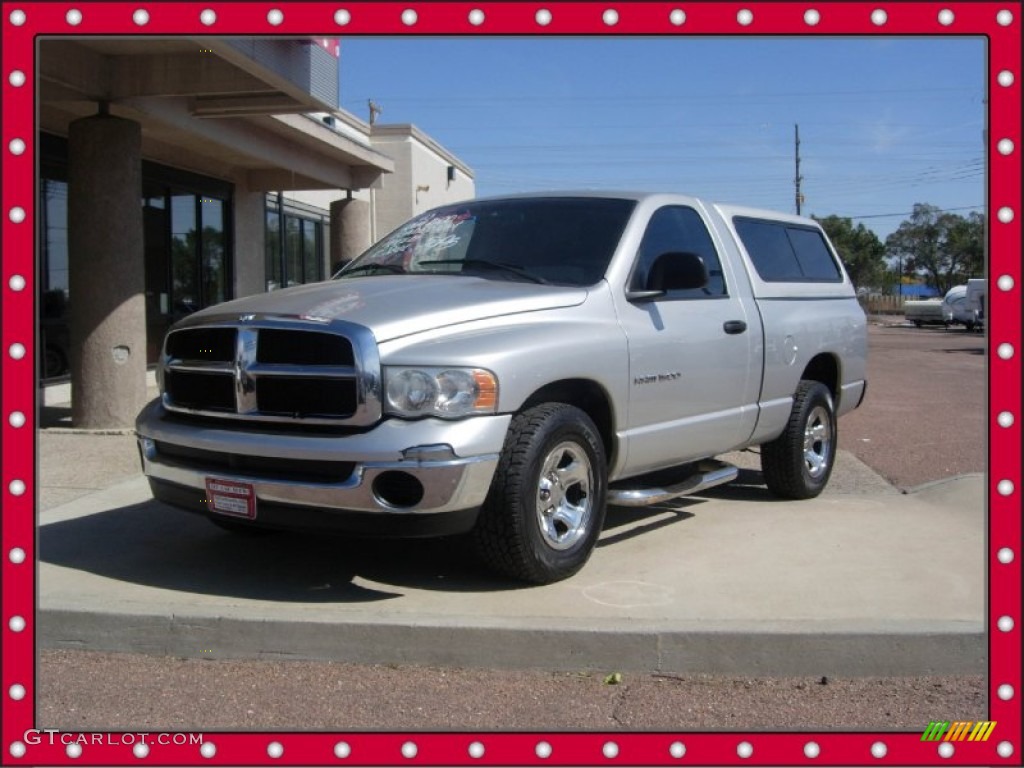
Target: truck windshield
(555, 240)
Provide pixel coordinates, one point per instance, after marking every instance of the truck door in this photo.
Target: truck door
(694, 355)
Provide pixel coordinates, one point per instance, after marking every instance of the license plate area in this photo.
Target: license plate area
(231, 498)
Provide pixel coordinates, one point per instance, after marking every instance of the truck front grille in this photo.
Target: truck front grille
(265, 467)
(273, 370)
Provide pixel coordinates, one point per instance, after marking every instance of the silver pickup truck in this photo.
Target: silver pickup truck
(509, 367)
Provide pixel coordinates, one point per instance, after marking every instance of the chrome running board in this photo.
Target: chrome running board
(707, 474)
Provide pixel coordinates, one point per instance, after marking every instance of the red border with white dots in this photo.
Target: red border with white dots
(999, 22)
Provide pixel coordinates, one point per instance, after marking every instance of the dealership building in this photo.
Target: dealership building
(178, 173)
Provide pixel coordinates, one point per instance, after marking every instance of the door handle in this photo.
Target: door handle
(734, 326)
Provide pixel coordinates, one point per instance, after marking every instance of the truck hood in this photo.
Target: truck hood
(399, 305)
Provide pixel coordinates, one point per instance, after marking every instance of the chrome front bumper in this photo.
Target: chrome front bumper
(454, 461)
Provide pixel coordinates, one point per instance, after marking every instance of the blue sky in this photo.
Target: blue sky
(884, 122)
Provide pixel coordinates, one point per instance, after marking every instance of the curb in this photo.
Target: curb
(751, 649)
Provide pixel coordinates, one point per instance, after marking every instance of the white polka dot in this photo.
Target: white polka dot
(17, 749)
(74, 751)
(1005, 214)
(1005, 78)
(1005, 283)
(275, 16)
(208, 750)
(409, 750)
(476, 17)
(17, 17)
(811, 17)
(745, 749)
(16, 283)
(16, 78)
(16, 624)
(341, 18)
(1005, 692)
(17, 487)
(811, 749)
(878, 18)
(677, 749)
(17, 147)
(543, 750)
(409, 17)
(141, 17)
(946, 749)
(610, 750)
(745, 17)
(1005, 146)
(17, 351)
(16, 419)
(476, 750)
(878, 749)
(1005, 487)
(1005, 749)
(208, 17)
(16, 556)
(543, 17)
(1004, 18)
(610, 17)
(1005, 351)
(141, 750)
(342, 750)
(16, 692)
(1005, 555)
(17, 214)
(1005, 624)
(677, 17)
(946, 17)
(275, 749)
(73, 17)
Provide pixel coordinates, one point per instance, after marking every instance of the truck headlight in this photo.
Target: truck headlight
(446, 392)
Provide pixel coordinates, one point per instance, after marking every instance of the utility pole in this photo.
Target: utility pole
(798, 178)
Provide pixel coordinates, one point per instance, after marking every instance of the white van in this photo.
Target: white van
(965, 305)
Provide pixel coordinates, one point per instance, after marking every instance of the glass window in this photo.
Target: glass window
(214, 269)
(679, 229)
(310, 251)
(184, 260)
(273, 249)
(293, 250)
(816, 262)
(787, 252)
(55, 236)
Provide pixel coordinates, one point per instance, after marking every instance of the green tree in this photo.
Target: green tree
(945, 248)
(863, 254)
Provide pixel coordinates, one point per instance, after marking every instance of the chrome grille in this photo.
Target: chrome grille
(273, 369)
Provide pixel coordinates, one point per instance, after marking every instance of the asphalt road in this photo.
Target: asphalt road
(923, 420)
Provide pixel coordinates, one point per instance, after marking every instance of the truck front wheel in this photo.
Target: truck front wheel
(546, 505)
(798, 463)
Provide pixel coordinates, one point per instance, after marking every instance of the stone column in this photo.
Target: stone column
(250, 260)
(107, 307)
(350, 230)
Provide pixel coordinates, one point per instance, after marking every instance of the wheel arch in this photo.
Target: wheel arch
(824, 368)
(591, 398)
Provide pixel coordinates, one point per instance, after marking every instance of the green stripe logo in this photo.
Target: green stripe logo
(935, 731)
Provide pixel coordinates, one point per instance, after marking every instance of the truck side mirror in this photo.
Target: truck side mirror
(672, 271)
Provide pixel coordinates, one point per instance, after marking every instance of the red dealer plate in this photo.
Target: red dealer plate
(229, 497)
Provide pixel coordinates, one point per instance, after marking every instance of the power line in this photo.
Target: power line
(911, 213)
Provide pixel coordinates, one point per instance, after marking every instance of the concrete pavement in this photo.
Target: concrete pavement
(864, 580)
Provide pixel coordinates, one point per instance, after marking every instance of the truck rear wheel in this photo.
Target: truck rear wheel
(546, 505)
(798, 463)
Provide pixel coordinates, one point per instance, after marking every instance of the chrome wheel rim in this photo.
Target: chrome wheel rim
(818, 442)
(564, 496)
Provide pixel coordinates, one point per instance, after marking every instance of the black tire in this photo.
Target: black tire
(798, 463)
(546, 505)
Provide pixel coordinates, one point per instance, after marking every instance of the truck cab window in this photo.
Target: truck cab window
(677, 228)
